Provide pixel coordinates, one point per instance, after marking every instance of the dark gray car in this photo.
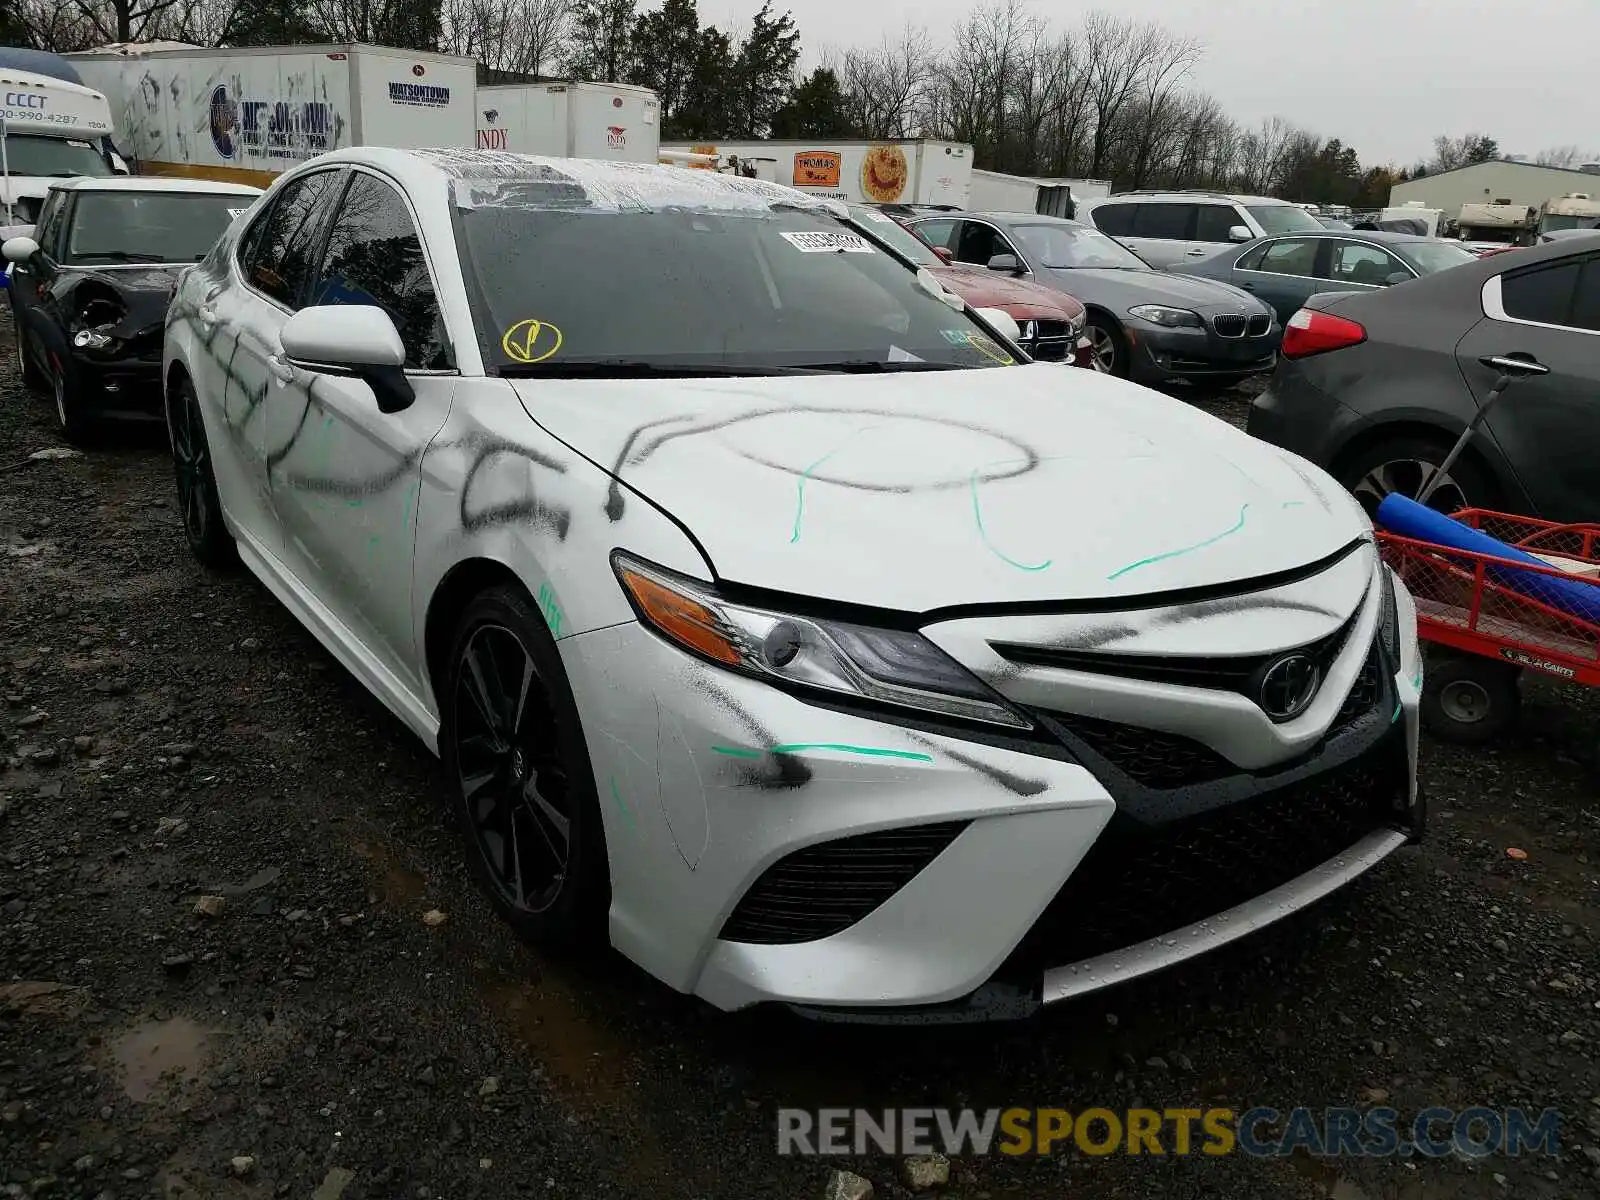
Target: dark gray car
(1283, 271)
(1376, 386)
(1148, 325)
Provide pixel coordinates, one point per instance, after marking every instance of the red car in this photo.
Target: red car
(1051, 322)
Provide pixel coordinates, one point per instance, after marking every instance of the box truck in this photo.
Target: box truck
(247, 115)
(49, 129)
(910, 171)
(615, 121)
(995, 191)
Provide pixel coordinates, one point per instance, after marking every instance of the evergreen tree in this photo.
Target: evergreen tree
(764, 72)
(666, 44)
(817, 108)
(602, 40)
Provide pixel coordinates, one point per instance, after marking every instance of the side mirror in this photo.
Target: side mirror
(119, 165)
(1241, 233)
(1007, 263)
(946, 255)
(19, 249)
(1394, 277)
(357, 341)
(1001, 321)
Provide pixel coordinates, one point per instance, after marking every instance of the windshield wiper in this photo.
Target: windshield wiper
(122, 256)
(864, 366)
(621, 368)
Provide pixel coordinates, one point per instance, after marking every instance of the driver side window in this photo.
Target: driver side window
(980, 243)
(1352, 262)
(48, 232)
(276, 254)
(938, 233)
(1292, 256)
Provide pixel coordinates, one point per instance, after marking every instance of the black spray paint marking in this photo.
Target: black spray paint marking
(1017, 785)
(772, 772)
(634, 451)
(527, 509)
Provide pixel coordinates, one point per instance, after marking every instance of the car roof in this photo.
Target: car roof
(153, 183)
(492, 177)
(1021, 218)
(1197, 197)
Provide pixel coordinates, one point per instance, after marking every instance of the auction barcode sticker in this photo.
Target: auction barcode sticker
(823, 243)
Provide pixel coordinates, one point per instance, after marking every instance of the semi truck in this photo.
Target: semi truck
(906, 171)
(49, 129)
(615, 121)
(245, 116)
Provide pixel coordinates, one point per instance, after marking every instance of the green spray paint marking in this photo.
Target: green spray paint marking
(550, 609)
(1396, 716)
(800, 487)
(354, 503)
(372, 544)
(800, 747)
(627, 813)
(1294, 503)
(1210, 541)
(977, 516)
(411, 496)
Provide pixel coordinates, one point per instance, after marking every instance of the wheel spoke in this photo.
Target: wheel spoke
(522, 692)
(551, 823)
(472, 784)
(477, 689)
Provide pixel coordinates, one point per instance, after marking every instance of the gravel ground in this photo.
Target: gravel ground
(349, 1019)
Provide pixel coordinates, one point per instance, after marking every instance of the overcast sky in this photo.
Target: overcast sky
(1385, 76)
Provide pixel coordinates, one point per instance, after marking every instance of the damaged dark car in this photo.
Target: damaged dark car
(90, 288)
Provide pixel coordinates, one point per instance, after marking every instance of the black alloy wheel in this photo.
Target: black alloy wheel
(524, 785)
(209, 540)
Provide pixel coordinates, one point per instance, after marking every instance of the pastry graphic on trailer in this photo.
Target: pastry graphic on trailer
(884, 173)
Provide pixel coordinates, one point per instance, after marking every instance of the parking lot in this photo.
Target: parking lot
(352, 1017)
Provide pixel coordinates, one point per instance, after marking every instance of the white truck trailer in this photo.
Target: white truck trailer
(1575, 210)
(244, 116)
(615, 121)
(910, 171)
(995, 191)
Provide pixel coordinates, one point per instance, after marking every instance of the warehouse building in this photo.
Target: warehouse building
(1498, 182)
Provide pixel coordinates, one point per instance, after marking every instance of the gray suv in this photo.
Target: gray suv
(1165, 228)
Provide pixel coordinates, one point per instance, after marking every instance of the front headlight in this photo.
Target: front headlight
(889, 666)
(92, 339)
(1161, 314)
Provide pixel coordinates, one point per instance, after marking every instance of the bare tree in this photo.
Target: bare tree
(886, 86)
(509, 37)
(1568, 156)
(1165, 60)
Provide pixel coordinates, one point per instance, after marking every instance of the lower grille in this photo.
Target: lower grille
(823, 889)
(1148, 756)
(1136, 883)
(1228, 327)
(1260, 324)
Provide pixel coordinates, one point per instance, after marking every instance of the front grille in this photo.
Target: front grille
(1047, 341)
(1260, 324)
(1137, 883)
(1363, 695)
(823, 889)
(1230, 674)
(1148, 756)
(1228, 326)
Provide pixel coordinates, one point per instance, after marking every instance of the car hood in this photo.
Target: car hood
(924, 490)
(1124, 288)
(128, 303)
(983, 288)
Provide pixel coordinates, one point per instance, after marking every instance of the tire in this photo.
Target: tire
(1470, 700)
(1110, 347)
(75, 425)
(32, 377)
(522, 782)
(198, 505)
(1402, 463)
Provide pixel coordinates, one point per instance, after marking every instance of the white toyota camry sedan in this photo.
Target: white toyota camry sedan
(775, 619)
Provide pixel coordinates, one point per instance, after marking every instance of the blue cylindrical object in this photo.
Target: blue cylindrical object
(1407, 518)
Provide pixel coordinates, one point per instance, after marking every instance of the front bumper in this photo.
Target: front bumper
(744, 827)
(1161, 354)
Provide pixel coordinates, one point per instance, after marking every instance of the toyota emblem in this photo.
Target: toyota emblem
(1288, 686)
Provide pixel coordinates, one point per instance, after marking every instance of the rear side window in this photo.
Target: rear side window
(1115, 219)
(1214, 221)
(279, 248)
(938, 233)
(1175, 222)
(1290, 256)
(374, 256)
(1543, 295)
(1586, 302)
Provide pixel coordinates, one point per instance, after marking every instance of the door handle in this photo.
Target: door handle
(280, 368)
(1515, 365)
(206, 315)
(1247, 286)
(1195, 253)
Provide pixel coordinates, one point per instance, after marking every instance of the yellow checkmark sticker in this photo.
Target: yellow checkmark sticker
(530, 341)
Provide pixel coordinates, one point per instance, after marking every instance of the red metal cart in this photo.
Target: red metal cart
(1492, 632)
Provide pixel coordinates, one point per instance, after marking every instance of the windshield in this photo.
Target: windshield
(148, 226)
(743, 291)
(1064, 246)
(887, 229)
(1429, 257)
(1554, 221)
(1283, 218)
(29, 154)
